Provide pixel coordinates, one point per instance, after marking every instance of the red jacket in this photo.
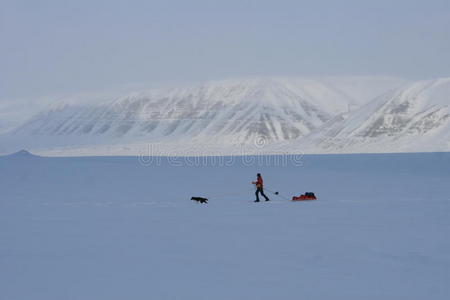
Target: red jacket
(258, 182)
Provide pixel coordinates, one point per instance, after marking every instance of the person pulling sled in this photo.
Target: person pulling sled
(259, 187)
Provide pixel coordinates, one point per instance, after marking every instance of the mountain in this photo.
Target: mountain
(14, 113)
(413, 118)
(22, 154)
(214, 114)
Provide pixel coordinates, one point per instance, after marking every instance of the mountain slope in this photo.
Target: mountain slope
(230, 112)
(413, 118)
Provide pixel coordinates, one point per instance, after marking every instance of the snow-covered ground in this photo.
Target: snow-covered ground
(123, 228)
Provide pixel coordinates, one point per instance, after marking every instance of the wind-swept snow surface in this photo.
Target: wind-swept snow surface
(123, 228)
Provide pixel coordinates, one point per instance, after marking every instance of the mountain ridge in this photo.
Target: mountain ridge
(328, 115)
(414, 118)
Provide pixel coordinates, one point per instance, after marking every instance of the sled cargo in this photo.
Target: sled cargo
(305, 197)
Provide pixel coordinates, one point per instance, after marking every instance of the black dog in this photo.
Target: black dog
(200, 199)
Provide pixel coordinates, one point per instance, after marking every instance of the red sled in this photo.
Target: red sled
(306, 196)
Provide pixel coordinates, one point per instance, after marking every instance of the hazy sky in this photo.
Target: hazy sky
(62, 47)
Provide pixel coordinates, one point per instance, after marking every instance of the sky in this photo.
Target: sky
(52, 48)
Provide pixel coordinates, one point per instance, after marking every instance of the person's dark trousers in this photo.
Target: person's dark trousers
(260, 191)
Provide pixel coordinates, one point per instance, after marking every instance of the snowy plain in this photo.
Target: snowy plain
(123, 228)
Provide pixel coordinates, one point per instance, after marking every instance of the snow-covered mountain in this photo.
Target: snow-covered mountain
(296, 115)
(415, 118)
(225, 113)
(15, 112)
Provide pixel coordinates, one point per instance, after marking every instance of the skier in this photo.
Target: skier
(259, 187)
